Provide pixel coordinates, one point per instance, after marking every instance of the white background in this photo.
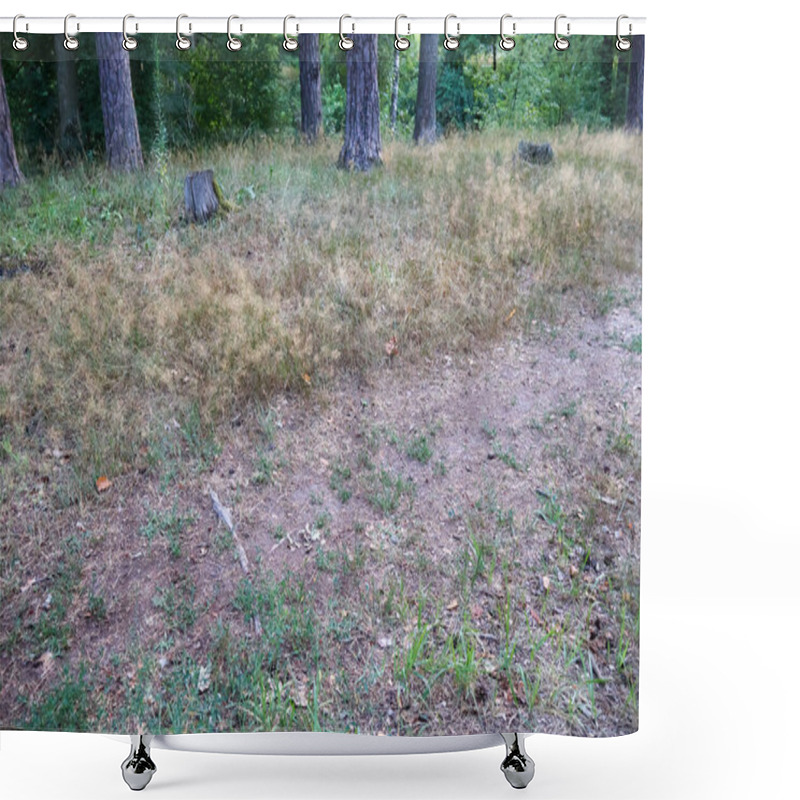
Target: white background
(720, 602)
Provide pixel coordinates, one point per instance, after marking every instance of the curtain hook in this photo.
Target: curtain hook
(506, 42)
(233, 43)
(561, 43)
(623, 44)
(128, 42)
(290, 43)
(19, 43)
(344, 42)
(70, 42)
(401, 42)
(182, 43)
(451, 42)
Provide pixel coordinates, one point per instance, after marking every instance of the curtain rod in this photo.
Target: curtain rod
(512, 26)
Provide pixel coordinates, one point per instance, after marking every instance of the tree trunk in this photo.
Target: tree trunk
(425, 114)
(202, 196)
(9, 168)
(310, 87)
(634, 119)
(123, 148)
(395, 88)
(362, 131)
(70, 139)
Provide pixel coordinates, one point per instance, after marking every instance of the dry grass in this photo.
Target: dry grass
(131, 325)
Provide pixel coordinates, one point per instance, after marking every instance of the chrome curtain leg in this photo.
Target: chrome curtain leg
(138, 768)
(517, 766)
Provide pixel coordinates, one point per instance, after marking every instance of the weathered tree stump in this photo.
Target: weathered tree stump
(533, 153)
(202, 196)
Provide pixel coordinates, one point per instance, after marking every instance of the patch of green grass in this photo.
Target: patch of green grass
(387, 490)
(419, 448)
(177, 602)
(63, 707)
(635, 344)
(198, 435)
(340, 475)
(169, 524)
(266, 468)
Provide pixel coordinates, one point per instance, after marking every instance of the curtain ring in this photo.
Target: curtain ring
(233, 43)
(182, 43)
(623, 44)
(290, 43)
(70, 42)
(506, 42)
(561, 43)
(344, 42)
(128, 42)
(401, 42)
(451, 42)
(19, 43)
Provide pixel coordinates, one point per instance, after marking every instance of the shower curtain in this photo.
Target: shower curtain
(320, 385)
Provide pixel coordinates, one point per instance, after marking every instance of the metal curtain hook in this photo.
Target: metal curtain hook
(401, 42)
(451, 42)
(128, 42)
(70, 42)
(623, 44)
(344, 42)
(182, 43)
(233, 44)
(19, 42)
(506, 42)
(561, 43)
(290, 43)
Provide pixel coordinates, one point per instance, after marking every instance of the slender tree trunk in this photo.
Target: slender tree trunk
(70, 139)
(634, 119)
(9, 168)
(310, 87)
(425, 114)
(123, 148)
(362, 130)
(395, 88)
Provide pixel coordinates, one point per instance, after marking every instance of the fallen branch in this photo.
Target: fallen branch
(225, 515)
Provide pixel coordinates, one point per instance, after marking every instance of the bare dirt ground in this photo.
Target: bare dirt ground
(466, 531)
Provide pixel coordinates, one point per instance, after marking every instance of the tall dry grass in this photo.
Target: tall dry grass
(138, 318)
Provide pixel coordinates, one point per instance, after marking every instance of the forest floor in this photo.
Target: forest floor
(441, 541)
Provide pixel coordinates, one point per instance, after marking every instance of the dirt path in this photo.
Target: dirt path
(466, 530)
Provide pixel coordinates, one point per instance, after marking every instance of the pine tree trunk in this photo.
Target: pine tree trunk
(70, 139)
(634, 119)
(395, 88)
(9, 168)
(123, 148)
(310, 87)
(362, 132)
(425, 114)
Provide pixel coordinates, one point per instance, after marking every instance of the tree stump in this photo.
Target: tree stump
(533, 153)
(202, 196)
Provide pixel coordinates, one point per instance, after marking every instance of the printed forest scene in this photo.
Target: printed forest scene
(320, 385)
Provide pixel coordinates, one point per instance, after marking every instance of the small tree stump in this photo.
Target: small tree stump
(202, 196)
(533, 153)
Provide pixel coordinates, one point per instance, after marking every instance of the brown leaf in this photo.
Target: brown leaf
(391, 347)
(573, 570)
(546, 583)
(452, 605)
(103, 484)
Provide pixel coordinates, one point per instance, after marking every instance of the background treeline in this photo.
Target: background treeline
(207, 94)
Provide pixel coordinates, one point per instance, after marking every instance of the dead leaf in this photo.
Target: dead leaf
(307, 378)
(384, 641)
(300, 695)
(103, 484)
(573, 570)
(46, 662)
(452, 605)
(511, 314)
(391, 347)
(204, 679)
(546, 583)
